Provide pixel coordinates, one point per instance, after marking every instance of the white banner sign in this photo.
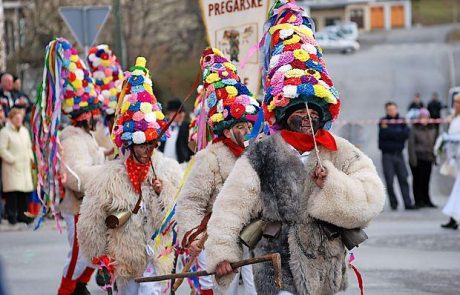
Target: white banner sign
(234, 27)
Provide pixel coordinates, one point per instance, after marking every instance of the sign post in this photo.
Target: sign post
(235, 27)
(85, 22)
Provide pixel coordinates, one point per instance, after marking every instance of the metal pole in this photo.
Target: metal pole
(117, 34)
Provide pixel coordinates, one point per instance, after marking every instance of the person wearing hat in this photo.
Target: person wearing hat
(79, 154)
(302, 178)
(108, 79)
(142, 183)
(231, 111)
(176, 146)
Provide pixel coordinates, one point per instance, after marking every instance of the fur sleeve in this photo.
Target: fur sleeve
(196, 192)
(352, 195)
(235, 206)
(91, 229)
(76, 156)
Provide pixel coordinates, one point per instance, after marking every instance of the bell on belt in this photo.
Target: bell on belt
(117, 219)
(252, 233)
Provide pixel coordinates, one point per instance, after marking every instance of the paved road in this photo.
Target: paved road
(407, 253)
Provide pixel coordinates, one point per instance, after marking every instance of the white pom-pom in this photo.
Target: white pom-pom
(286, 33)
(274, 61)
(138, 137)
(250, 109)
(105, 93)
(290, 91)
(284, 68)
(199, 88)
(150, 117)
(79, 74)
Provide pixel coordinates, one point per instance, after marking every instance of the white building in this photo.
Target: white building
(368, 14)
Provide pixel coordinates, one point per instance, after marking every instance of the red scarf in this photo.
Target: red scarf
(137, 172)
(235, 148)
(304, 142)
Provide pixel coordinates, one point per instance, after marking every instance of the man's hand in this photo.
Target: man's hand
(224, 268)
(319, 176)
(157, 185)
(194, 248)
(109, 152)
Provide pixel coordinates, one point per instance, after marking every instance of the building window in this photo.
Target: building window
(331, 21)
(9, 37)
(357, 16)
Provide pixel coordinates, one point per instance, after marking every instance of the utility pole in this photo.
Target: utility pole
(118, 34)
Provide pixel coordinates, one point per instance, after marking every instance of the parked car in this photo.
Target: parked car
(331, 41)
(348, 30)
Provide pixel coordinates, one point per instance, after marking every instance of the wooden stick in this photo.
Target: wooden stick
(189, 264)
(275, 258)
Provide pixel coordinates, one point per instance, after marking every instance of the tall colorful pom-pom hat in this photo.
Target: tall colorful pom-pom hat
(79, 94)
(140, 119)
(107, 74)
(67, 88)
(294, 71)
(228, 100)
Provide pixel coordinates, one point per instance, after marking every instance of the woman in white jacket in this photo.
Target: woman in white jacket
(16, 154)
(452, 208)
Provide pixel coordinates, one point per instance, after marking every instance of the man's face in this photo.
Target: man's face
(238, 132)
(7, 82)
(298, 121)
(392, 110)
(143, 152)
(457, 106)
(17, 120)
(17, 85)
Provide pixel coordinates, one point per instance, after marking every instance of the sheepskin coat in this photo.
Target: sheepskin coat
(16, 154)
(212, 167)
(271, 181)
(80, 156)
(110, 191)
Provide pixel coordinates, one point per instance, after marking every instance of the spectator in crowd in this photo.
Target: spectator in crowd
(176, 146)
(392, 138)
(416, 103)
(7, 94)
(421, 157)
(435, 106)
(452, 208)
(17, 157)
(2, 203)
(22, 99)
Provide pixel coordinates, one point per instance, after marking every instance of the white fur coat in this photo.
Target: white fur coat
(211, 169)
(109, 191)
(352, 196)
(82, 155)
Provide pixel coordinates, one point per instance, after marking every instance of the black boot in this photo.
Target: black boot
(452, 224)
(81, 289)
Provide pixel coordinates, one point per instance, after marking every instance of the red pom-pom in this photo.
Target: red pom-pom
(334, 109)
(292, 81)
(237, 110)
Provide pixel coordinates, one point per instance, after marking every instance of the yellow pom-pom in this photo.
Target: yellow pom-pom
(293, 40)
(113, 91)
(231, 90)
(74, 58)
(216, 118)
(322, 92)
(217, 51)
(77, 84)
(213, 77)
(294, 73)
(159, 115)
(148, 88)
(83, 104)
(141, 61)
(72, 67)
(68, 102)
(125, 106)
(271, 106)
(230, 66)
(301, 55)
(112, 104)
(146, 107)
